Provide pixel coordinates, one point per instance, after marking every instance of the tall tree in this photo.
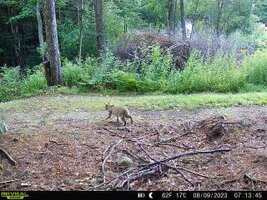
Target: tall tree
(182, 19)
(100, 39)
(80, 21)
(40, 26)
(220, 5)
(171, 16)
(53, 66)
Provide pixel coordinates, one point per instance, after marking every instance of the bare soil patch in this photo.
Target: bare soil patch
(204, 149)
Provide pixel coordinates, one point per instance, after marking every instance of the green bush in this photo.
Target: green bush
(10, 83)
(77, 74)
(256, 67)
(125, 82)
(220, 75)
(72, 73)
(34, 83)
(153, 73)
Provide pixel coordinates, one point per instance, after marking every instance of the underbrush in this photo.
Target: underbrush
(155, 73)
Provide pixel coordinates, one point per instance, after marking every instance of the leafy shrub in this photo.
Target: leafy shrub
(256, 67)
(72, 73)
(77, 74)
(125, 82)
(34, 83)
(219, 75)
(10, 83)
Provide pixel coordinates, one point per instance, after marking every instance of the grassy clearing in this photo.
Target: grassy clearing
(152, 102)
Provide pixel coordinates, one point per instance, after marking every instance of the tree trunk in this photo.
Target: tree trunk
(171, 16)
(220, 4)
(53, 68)
(40, 26)
(251, 10)
(81, 30)
(100, 40)
(182, 19)
(194, 18)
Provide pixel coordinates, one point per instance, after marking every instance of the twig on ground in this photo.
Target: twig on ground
(188, 170)
(89, 145)
(53, 141)
(174, 145)
(246, 175)
(105, 159)
(134, 155)
(196, 173)
(227, 181)
(8, 181)
(173, 138)
(174, 168)
(114, 132)
(142, 148)
(112, 180)
(9, 158)
(254, 147)
(186, 154)
(134, 176)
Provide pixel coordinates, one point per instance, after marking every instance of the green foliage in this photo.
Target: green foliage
(235, 14)
(256, 67)
(10, 83)
(113, 21)
(154, 12)
(68, 37)
(153, 73)
(77, 74)
(261, 9)
(34, 83)
(219, 75)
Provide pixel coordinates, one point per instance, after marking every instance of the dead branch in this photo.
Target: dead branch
(148, 135)
(53, 141)
(254, 147)
(105, 159)
(227, 181)
(173, 138)
(195, 173)
(186, 154)
(178, 146)
(112, 180)
(174, 168)
(89, 145)
(113, 132)
(134, 155)
(246, 175)
(8, 181)
(132, 177)
(142, 148)
(9, 158)
(187, 180)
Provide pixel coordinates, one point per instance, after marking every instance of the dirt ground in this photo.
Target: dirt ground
(203, 149)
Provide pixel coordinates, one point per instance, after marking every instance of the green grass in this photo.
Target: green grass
(149, 102)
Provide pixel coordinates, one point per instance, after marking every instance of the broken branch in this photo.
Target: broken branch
(9, 158)
(186, 154)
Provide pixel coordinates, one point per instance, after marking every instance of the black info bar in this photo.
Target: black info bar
(131, 195)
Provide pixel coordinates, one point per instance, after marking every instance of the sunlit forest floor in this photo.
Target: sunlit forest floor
(216, 148)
